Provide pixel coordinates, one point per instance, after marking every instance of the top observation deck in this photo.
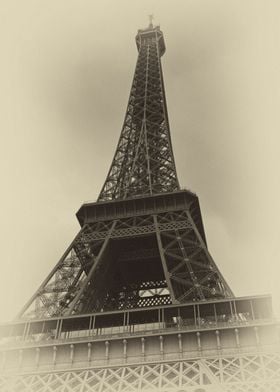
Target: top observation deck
(151, 33)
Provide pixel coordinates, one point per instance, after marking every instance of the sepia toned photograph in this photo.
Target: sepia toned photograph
(140, 196)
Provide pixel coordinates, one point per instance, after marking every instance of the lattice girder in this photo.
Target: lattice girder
(146, 260)
(144, 163)
(164, 225)
(243, 373)
(64, 283)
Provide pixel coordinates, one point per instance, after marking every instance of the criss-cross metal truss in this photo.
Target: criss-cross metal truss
(144, 163)
(147, 260)
(244, 373)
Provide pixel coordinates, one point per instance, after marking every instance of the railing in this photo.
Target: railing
(50, 338)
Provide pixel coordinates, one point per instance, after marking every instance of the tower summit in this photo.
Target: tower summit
(144, 163)
(136, 302)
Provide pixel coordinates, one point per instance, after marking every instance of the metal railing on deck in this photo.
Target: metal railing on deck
(125, 331)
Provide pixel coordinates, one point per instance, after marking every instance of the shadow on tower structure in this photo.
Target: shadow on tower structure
(137, 303)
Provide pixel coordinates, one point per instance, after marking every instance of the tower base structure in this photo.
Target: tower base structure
(217, 345)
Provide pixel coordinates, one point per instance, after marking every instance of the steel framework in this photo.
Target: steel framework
(149, 259)
(146, 260)
(137, 303)
(251, 373)
(144, 163)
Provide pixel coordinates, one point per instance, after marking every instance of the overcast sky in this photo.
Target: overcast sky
(65, 74)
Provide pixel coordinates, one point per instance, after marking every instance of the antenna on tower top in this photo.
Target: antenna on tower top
(151, 17)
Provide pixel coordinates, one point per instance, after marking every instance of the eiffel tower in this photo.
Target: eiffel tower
(137, 303)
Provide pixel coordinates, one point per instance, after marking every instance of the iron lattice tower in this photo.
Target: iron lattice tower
(144, 163)
(137, 302)
(152, 258)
